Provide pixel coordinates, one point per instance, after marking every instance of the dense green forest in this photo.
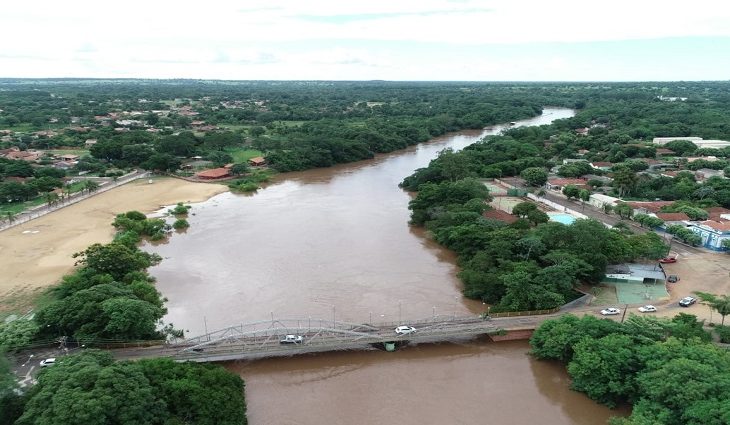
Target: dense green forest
(666, 368)
(91, 388)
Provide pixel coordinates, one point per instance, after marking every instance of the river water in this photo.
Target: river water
(335, 243)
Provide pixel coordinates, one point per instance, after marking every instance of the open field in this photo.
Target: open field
(242, 154)
(37, 254)
(79, 152)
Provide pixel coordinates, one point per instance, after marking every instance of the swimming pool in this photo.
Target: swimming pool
(566, 219)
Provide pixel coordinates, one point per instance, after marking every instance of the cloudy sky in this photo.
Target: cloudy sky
(489, 40)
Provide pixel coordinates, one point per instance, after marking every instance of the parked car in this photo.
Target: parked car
(292, 339)
(647, 309)
(610, 311)
(673, 278)
(48, 362)
(687, 301)
(405, 330)
(667, 260)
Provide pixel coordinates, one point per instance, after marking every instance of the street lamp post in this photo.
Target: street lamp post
(400, 312)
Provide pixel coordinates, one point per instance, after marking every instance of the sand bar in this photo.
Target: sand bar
(38, 253)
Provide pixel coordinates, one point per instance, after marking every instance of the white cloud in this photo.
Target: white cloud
(305, 39)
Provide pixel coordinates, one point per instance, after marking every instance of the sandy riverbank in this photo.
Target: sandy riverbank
(37, 254)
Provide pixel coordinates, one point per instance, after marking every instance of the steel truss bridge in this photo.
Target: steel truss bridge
(261, 339)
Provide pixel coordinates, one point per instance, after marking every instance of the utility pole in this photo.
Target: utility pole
(626, 307)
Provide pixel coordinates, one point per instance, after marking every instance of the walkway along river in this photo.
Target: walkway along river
(335, 243)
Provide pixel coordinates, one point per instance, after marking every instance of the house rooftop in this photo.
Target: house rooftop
(720, 226)
(214, 173)
(499, 215)
(677, 216)
(650, 271)
(653, 206)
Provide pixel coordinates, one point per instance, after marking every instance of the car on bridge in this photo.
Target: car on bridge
(647, 309)
(405, 330)
(610, 311)
(668, 260)
(292, 339)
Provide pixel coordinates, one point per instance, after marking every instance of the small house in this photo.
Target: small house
(214, 173)
(257, 161)
(559, 184)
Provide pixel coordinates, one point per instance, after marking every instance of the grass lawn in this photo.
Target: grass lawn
(79, 152)
(605, 295)
(235, 127)
(243, 154)
(18, 207)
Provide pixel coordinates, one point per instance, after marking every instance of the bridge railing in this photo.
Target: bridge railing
(524, 313)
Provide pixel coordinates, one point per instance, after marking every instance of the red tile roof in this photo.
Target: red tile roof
(680, 216)
(214, 173)
(720, 226)
(715, 212)
(653, 206)
(564, 182)
(500, 215)
(664, 151)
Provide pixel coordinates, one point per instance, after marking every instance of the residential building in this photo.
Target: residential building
(214, 173)
(713, 233)
(257, 161)
(499, 215)
(558, 183)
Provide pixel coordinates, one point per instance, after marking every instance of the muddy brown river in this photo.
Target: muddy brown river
(335, 243)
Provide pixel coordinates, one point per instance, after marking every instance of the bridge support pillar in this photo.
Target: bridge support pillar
(389, 346)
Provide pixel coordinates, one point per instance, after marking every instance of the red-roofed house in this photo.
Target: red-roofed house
(214, 173)
(257, 161)
(559, 184)
(500, 215)
(664, 152)
(672, 218)
(648, 207)
(718, 213)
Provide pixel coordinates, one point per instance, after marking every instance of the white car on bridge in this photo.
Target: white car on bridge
(610, 311)
(405, 330)
(292, 339)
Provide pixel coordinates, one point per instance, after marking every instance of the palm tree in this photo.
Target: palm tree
(719, 303)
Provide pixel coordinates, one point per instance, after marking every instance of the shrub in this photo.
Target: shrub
(180, 224)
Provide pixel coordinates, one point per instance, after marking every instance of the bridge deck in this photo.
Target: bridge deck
(262, 339)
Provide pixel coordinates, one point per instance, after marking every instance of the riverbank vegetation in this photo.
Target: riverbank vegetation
(91, 388)
(531, 264)
(667, 369)
(528, 265)
(110, 297)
